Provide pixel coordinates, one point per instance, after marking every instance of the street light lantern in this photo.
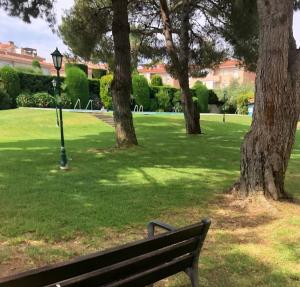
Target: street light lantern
(57, 58)
(57, 62)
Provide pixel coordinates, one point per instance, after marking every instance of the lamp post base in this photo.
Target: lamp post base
(63, 159)
(66, 167)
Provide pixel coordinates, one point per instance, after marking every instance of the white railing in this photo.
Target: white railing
(139, 109)
(78, 103)
(89, 103)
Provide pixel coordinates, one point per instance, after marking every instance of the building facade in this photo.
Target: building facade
(21, 57)
(220, 77)
(13, 56)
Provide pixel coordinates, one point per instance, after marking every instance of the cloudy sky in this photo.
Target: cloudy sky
(38, 35)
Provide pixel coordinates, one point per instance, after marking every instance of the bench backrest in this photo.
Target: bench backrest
(135, 264)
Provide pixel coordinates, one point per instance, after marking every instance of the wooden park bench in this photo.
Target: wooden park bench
(140, 263)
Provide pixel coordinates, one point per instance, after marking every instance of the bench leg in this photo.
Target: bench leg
(194, 276)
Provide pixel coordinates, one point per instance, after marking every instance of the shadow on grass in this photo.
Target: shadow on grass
(113, 188)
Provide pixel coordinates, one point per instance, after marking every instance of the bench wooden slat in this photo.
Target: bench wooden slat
(96, 266)
(59, 272)
(155, 274)
(132, 266)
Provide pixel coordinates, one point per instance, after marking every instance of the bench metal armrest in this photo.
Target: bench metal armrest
(152, 224)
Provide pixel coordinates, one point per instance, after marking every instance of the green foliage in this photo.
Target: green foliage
(94, 88)
(5, 101)
(77, 85)
(243, 101)
(202, 95)
(25, 100)
(156, 80)
(33, 83)
(177, 101)
(105, 91)
(82, 67)
(98, 73)
(11, 82)
(233, 91)
(164, 100)
(36, 64)
(141, 91)
(28, 70)
(44, 100)
(29, 9)
(65, 101)
(213, 98)
(153, 105)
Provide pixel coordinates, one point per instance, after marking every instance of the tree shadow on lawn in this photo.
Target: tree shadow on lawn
(110, 193)
(111, 188)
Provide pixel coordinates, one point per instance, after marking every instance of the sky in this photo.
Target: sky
(38, 35)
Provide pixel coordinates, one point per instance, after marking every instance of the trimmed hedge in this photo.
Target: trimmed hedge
(164, 100)
(44, 100)
(5, 101)
(105, 91)
(11, 83)
(82, 67)
(141, 91)
(33, 83)
(77, 86)
(202, 95)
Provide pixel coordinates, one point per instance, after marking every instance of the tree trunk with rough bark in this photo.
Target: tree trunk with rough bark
(121, 85)
(181, 64)
(268, 145)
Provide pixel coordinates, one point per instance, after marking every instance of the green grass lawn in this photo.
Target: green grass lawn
(109, 195)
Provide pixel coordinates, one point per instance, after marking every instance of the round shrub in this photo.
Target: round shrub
(82, 67)
(5, 101)
(36, 64)
(141, 91)
(243, 101)
(25, 100)
(105, 91)
(44, 100)
(163, 99)
(156, 80)
(202, 94)
(11, 82)
(77, 86)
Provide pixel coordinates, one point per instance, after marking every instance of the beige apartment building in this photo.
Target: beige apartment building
(13, 56)
(220, 77)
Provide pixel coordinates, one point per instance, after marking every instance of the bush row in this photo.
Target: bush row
(43, 100)
(158, 98)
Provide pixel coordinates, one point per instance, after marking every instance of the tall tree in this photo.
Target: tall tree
(181, 64)
(192, 53)
(29, 9)
(267, 146)
(121, 85)
(99, 30)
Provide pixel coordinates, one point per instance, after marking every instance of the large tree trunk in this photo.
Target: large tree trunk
(267, 147)
(181, 66)
(121, 85)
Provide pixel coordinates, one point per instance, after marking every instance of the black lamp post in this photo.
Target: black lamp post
(224, 106)
(57, 61)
